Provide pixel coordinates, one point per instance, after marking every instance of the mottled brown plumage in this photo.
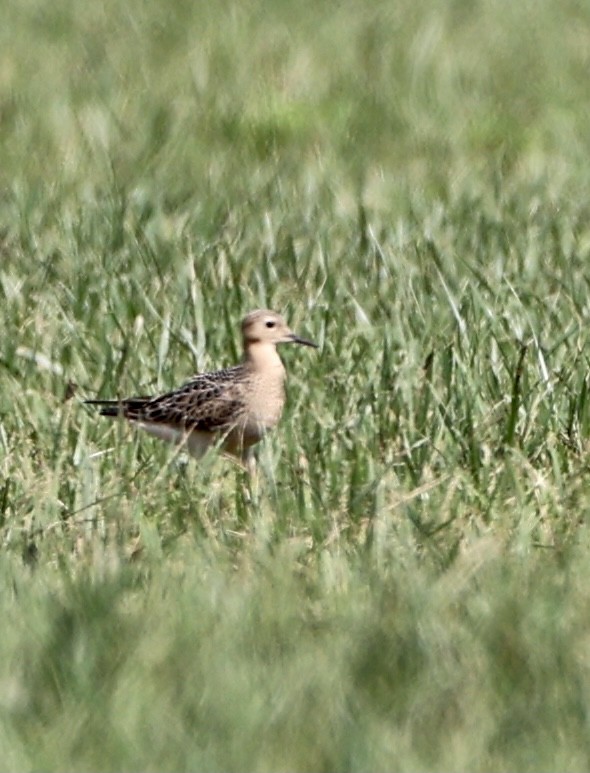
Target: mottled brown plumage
(234, 406)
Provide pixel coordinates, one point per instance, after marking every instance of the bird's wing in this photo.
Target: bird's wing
(209, 402)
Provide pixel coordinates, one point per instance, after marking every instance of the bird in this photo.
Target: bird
(232, 408)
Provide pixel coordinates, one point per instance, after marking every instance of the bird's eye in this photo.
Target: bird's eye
(270, 323)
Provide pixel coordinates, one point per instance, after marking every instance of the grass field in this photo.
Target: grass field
(407, 588)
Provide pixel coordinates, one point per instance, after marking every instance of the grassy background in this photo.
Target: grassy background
(408, 586)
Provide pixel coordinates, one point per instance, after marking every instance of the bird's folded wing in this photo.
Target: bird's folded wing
(205, 403)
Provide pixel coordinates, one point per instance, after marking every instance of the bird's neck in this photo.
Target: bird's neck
(263, 357)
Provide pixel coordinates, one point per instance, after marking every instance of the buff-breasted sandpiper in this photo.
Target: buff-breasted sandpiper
(232, 408)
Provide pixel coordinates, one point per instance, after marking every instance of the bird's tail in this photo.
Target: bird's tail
(108, 407)
(132, 407)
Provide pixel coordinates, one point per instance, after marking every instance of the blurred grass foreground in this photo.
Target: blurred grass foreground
(407, 585)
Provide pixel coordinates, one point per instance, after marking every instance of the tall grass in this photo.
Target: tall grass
(405, 586)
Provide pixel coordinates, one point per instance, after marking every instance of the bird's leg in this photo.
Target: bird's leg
(248, 463)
